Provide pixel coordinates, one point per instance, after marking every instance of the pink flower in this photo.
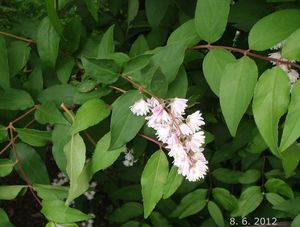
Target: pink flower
(178, 106)
(185, 129)
(140, 107)
(176, 150)
(153, 102)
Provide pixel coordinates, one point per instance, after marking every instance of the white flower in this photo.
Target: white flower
(140, 107)
(153, 102)
(196, 141)
(276, 55)
(197, 171)
(163, 132)
(173, 139)
(176, 150)
(178, 106)
(293, 76)
(194, 121)
(278, 46)
(185, 129)
(159, 116)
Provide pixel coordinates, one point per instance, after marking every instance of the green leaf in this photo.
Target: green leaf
(72, 34)
(89, 114)
(291, 47)
(32, 164)
(64, 68)
(291, 129)
(223, 197)
(191, 204)
(34, 137)
(133, 9)
(250, 199)
(6, 166)
(185, 33)
(107, 45)
(136, 63)
(290, 159)
(3, 133)
(53, 17)
(227, 176)
(51, 192)
(126, 212)
(60, 137)
(236, 91)
(87, 86)
(215, 213)
(102, 70)
(103, 157)
(159, 220)
(48, 113)
(155, 11)
(13, 99)
(250, 176)
(139, 46)
(124, 124)
(34, 83)
(270, 102)
(75, 154)
(274, 198)
(169, 59)
(159, 84)
(18, 54)
(4, 67)
(9, 192)
(211, 19)
(92, 6)
(58, 94)
(279, 186)
(57, 211)
(173, 182)
(214, 65)
(153, 179)
(273, 29)
(128, 193)
(4, 220)
(291, 206)
(296, 221)
(179, 86)
(47, 43)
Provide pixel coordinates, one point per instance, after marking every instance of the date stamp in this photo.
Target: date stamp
(256, 221)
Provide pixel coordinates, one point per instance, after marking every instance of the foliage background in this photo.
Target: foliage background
(80, 53)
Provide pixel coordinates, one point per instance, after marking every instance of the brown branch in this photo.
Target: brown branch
(90, 138)
(20, 167)
(29, 41)
(117, 89)
(247, 53)
(25, 114)
(71, 115)
(152, 140)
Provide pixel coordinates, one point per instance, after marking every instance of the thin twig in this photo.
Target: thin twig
(117, 89)
(25, 114)
(29, 41)
(67, 111)
(247, 53)
(20, 167)
(90, 138)
(152, 140)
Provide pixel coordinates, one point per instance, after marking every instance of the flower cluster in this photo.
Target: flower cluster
(128, 157)
(292, 73)
(60, 180)
(91, 193)
(183, 136)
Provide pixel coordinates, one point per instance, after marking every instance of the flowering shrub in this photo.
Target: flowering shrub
(149, 113)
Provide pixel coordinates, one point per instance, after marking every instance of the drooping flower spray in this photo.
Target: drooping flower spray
(182, 136)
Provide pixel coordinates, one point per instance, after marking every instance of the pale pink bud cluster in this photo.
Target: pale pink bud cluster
(292, 74)
(182, 136)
